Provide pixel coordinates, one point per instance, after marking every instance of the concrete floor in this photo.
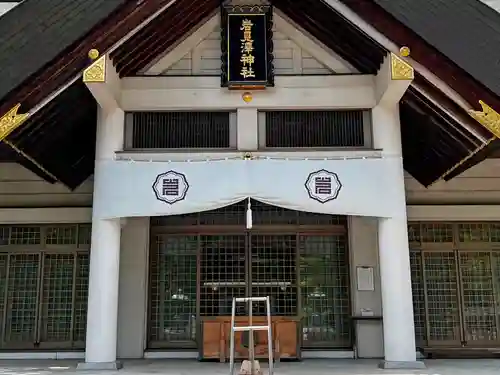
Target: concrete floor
(306, 367)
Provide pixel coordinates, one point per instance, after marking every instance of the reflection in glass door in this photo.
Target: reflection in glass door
(173, 291)
(324, 290)
(479, 310)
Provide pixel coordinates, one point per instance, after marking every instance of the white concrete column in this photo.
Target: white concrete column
(102, 313)
(133, 296)
(394, 254)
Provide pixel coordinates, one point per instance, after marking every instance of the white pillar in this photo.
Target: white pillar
(394, 254)
(102, 313)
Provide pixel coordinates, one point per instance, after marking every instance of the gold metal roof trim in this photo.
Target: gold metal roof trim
(11, 121)
(400, 69)
(488, 117)
(96, 72)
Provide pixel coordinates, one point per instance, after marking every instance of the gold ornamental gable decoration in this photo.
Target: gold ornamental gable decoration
(96, 72)
(400, 69)
(11, 121)
(488, 117)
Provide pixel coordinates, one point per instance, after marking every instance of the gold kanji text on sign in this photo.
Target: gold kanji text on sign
(247, 57)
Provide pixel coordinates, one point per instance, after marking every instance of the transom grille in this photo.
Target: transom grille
(315, 129)
(178, 130)
(209, 258)
(43, 286)
(455, 268)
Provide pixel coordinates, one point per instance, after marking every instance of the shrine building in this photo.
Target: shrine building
(159, 158)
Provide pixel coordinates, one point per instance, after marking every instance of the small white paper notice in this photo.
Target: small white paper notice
(365, 279)
(366, 312)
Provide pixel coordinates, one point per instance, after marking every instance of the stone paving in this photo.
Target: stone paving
(308, 367)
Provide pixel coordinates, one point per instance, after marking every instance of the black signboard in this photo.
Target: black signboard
(247, 47)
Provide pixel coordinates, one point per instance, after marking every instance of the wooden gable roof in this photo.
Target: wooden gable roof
(62, 150)
(36, 32)
(465, 31)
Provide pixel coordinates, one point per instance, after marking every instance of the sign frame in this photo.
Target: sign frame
(263, 79)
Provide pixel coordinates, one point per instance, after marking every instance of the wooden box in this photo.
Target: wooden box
(216, 338)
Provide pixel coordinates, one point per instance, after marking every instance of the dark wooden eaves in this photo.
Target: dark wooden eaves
(61, 136)
(161, 34)
(331, 28)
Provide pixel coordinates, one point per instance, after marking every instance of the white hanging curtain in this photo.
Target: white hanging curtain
(362, 187)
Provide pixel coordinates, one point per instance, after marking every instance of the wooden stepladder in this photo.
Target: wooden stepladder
(254, 367)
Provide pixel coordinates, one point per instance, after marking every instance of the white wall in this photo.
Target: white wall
(205, 58)
(20, 187)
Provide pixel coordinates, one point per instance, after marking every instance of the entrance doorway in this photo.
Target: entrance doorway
(456, 284)
(199, 262)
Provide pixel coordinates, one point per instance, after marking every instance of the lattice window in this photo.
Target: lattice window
(479, 232)
(81, 299)
(22, 298)
(436, 232)
(273, 272)
(418, 294)
(223, 273)
(4, 235)
(460, 283)
(25, 235)
(324, 288)
(71, 235)
(316, 129)
(61, 235)
(43, 286)
(173, 289)
(179, 130)
(57, 300)
(414, 233)
(442, 296)
(84, 234)
(479, 309)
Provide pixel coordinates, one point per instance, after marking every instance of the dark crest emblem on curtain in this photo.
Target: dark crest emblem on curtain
(323, 186)
(170, 187)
